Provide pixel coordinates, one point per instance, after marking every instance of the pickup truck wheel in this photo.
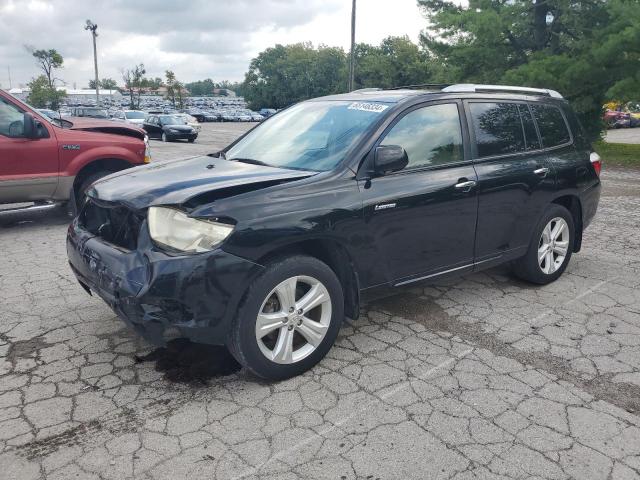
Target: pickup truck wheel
(81, 190)
(289, 318)
(550, 248)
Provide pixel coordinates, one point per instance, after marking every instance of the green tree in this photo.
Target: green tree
(41, 95)
(171, 86)
(134, 82)
(282, 75)
(48, 61)
(587, 49)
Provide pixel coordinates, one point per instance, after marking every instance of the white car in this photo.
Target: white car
(134, 117)
(189, 120)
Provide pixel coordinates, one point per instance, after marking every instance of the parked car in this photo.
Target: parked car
(189, 120)
(268, 244)
(197, 114)
(51, 161)
(256, 117)
(168, 128)
(267, 112)
(135, 117)
(91, 112)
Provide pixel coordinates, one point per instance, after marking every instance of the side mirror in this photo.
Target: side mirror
(29, 126)
(389, 158)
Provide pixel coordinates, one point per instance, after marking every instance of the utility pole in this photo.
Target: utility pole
(92, 27)
(9, 73)
(353, 43)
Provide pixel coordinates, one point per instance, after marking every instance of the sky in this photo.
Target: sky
(197, 39)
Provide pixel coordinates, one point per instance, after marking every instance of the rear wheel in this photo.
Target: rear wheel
(289, 318)
(550, 248)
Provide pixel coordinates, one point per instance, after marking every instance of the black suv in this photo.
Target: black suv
(268, 244)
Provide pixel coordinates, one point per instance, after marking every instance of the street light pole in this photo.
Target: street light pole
(93, 27)
(353, 43)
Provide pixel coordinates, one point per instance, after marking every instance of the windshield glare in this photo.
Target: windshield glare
(308, 136)
(171, 120)
(134, 115)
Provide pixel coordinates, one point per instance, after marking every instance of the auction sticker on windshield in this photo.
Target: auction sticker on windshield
(368, 107)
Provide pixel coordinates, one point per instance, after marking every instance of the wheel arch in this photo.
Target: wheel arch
(336, 256)
(573, 204)
(108, 164)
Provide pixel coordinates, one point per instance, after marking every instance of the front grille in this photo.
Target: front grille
(112, 223)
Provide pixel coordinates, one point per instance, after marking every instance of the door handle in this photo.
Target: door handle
(465, 186)
(542, 172)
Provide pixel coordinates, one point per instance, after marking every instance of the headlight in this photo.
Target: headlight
(175, 229)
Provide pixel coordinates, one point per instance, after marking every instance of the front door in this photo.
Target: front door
(28, 167)
(423, 218)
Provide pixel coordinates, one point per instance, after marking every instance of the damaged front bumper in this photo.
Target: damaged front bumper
(156, 293)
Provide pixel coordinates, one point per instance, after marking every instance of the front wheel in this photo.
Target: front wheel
(550, 248)
(289, 318)
(164, 137)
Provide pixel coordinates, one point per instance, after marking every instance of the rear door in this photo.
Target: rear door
(515, 180)
(423, 218)
(28, 167)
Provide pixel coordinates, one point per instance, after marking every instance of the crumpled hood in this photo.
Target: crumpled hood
(105, 126)
(177, 182)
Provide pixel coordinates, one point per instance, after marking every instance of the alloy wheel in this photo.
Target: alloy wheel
(553, 245)
(293, 319)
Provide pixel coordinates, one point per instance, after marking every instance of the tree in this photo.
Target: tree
(133, 83)
(170, 81)
(48, 61)
(41, 95)
(282, 75)
(587, 49)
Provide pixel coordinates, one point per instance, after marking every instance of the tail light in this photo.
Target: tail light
(596, 161)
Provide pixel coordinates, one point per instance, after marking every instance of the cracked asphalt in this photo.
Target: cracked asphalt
(481, 377)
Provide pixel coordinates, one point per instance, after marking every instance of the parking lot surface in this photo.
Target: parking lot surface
(482, 377)
(623, 135)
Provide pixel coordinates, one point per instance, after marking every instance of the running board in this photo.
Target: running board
(40, 207)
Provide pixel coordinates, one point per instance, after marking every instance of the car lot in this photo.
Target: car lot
(481, 377)
(623, 135)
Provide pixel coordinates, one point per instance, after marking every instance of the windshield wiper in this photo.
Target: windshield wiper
(250, 161)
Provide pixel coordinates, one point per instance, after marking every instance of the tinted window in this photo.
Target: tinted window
(498, 128)
(530, 134)
(553, 128)
(11, 120)
(430, 135)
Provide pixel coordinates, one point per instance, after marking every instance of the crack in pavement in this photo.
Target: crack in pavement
(429, 313)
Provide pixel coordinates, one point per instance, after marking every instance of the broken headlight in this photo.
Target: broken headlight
(175, 229)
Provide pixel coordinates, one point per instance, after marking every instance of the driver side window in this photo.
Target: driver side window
(430, 135)
(11, 120)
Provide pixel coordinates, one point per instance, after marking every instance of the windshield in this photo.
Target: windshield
(308, 136)
(135, 115)
(171, 120)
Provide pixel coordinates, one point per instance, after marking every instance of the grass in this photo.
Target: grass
(624, 154)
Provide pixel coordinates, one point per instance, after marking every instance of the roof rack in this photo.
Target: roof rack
(472, 87)
(421, 86)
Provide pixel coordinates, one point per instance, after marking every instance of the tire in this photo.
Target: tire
(191, 140)
(164, 137)
(262, 356)
(550, 265)
(81, 191)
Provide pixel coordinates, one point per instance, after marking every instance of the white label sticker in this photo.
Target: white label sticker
(368, 107)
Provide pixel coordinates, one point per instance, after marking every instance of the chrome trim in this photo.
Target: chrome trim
(405, 282)
(470, 184)
(472, 87)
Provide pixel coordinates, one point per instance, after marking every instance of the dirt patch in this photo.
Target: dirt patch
(186, 362)
(430, 314)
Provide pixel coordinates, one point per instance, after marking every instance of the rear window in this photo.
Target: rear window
(553, 128)
(497, 128)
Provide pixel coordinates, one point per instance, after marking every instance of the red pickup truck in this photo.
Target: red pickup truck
(49, 162)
